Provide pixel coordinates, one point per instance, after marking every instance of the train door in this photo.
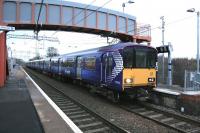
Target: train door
(106, 67)
(78, 67)
(50, 65)
(59, 66)
(43, 65)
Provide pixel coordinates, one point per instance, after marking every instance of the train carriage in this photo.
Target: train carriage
(123, 69)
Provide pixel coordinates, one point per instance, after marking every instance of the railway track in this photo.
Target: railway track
(175, 121)
(87, 120)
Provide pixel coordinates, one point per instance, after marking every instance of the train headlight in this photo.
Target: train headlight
(128, 80)
(151, 79)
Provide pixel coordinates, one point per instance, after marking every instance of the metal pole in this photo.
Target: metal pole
(11, 61)
(185, 80)
(198, 42)
(163, 40)
(170, 65)
(123, 5)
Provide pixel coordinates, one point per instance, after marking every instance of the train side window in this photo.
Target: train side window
(104, 60)
(68, 63)
(65, 64)
(56, 63)
(52, 63)
(110, 63)
(90, 63)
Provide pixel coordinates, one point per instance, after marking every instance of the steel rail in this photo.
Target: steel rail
(168, 119)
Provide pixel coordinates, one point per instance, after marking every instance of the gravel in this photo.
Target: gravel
(108, 110)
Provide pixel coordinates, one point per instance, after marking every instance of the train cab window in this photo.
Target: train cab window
(152, 59)
(145, 58)
(128, 57)
(139, 57)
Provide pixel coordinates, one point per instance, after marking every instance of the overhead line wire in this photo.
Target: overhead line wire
(176, 21)
(173, 22)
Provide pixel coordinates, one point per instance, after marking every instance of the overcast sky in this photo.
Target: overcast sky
(180, 27)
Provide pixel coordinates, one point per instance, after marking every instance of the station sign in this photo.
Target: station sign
(164, 49)
(7, 28)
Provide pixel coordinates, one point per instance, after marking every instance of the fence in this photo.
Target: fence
(192, 81)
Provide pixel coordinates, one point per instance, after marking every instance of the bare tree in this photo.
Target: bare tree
(51, 51)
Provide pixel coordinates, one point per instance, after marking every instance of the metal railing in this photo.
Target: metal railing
(143, 30)
(192, 81)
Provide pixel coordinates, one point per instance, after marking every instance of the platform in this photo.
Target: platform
(24, 109)
(187, 102)
(17, 112)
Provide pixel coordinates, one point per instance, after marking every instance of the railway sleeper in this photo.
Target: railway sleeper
(167, 119)
(76, 112)
(194, 130)
(93, 126)
(146, 112)
(75, 116)
(90, 124)
(103, 129)
(178, 124)
(84, 120)
(155, 116)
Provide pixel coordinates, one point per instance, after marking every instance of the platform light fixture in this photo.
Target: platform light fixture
(7, 28)
(124, 4)
(192, 10)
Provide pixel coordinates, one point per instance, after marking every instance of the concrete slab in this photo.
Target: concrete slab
(168, 91)
(187, 102)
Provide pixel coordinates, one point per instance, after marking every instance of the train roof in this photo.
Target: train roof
(108, 48)
(99, 50)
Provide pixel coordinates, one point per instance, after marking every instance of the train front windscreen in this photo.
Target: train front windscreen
(139, 57)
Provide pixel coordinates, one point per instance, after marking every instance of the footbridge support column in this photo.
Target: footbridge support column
(3, 59)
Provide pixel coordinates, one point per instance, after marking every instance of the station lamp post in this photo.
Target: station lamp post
(124, 4)
(197, 12)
